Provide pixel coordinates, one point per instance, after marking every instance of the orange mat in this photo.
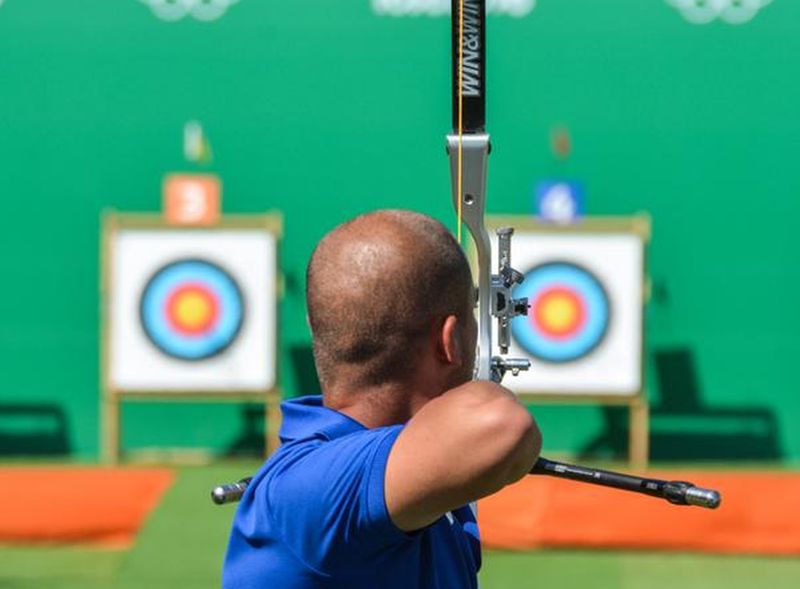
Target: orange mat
(96, 505)
(758, 515)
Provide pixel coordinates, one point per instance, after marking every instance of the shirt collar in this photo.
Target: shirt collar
(307, 417)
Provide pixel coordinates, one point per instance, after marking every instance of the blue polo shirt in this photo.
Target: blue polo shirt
(315, 516)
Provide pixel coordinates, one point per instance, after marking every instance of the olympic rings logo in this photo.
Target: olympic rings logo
(733, 12)
(172, 10)
(515, 8)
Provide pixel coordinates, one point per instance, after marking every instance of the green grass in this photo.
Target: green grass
(183, 544)
(58, 568)
(629, 570)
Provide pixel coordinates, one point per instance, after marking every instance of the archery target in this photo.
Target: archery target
(568, 316)
(192, 310)
(583, 331)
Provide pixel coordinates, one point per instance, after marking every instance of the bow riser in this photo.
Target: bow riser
(470, 176)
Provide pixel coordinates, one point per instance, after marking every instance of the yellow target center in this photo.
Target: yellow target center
(193, 310)
(559, 313)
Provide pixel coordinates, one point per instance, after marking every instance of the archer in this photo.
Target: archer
(373, 482)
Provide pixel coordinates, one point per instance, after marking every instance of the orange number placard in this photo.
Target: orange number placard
(192, 199)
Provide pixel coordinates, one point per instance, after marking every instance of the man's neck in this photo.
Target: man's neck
(372, 407)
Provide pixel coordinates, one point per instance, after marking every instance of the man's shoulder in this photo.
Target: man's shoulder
(318, 457)
(321, 497)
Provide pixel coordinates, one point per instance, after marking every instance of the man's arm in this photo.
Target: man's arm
(468, 443)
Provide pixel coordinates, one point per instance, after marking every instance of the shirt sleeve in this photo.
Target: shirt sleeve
(328, 503)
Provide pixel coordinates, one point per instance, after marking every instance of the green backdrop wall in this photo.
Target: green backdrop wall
(325, 109)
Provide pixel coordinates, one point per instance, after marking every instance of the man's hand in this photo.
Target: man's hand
(466, 444)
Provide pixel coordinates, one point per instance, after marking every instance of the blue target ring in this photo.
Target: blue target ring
(569, 314)
(191, 309)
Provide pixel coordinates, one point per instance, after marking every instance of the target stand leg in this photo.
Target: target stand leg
(111, 428)
(639, 432)
(272, 422)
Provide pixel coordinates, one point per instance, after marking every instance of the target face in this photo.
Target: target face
(191, 309)
(569, 313)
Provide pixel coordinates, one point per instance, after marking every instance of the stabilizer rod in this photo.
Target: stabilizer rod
(230, 493)
(676, 492)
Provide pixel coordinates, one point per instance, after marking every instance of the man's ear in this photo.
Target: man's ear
(449, 341)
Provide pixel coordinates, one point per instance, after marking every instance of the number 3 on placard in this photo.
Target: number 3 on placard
(192, 199)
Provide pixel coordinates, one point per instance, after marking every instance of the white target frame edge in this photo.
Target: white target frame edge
(639, 226)
(112, 222)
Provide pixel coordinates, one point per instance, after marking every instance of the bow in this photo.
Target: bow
(468, 147)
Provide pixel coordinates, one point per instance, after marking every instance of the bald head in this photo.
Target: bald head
(375, 287)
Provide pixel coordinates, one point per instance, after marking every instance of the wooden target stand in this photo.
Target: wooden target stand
(183, 215)
(638, 225)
